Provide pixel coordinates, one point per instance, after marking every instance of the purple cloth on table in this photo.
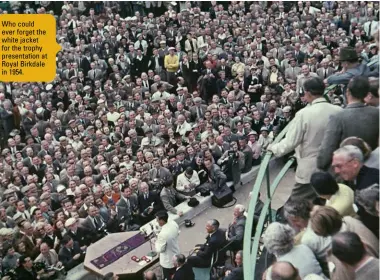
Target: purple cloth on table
(120, 250)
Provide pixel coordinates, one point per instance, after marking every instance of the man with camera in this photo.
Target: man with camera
(50, 258)
(232, 162)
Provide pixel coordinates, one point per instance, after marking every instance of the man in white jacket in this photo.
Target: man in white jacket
(305, 135)
(167, 243)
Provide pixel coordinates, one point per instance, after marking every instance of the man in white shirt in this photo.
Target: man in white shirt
(371, 26)
(188, 181)
(160, 93)
(150, 139)
(182, 125)
(167, 243)
(112, 115)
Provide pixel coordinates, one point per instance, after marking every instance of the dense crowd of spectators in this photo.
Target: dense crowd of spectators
(156, 101)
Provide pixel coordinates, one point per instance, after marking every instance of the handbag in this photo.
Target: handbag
(222, 196)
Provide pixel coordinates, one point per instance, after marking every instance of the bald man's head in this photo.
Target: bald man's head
(282, 271)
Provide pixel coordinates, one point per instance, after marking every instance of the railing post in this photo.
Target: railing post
(269, 195)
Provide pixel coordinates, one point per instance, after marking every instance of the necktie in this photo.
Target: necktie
(369, 29)
(96, 223)
(128, 203)
(199, 113)
(294, 75)
(158, 173)
(325, 73)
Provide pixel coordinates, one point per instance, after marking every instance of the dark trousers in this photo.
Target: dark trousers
(196, 261)
(168, 273)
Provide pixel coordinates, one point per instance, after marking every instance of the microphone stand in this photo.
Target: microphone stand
(152, 253)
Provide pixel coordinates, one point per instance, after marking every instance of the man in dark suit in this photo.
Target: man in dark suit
(329, 44)
(236, 273)
(70, 254)
(357, 37)
(78, 234)
(257, 123)
(129, 202)
(225, 68)
(298, 54)
(37, 168)
(25, 269)
(117, 218)
(94, 224)
(104, 175)
(348, 164)
(28, 122)
(196, 67)
(349, 122)
(183, 270)
(215, 240)
(149, 203)
(209, 82)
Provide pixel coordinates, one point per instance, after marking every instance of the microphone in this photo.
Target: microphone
(152, 253)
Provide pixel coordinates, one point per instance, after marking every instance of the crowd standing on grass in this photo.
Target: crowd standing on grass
(154, 102)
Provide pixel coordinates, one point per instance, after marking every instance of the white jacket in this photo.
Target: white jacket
(167, 244)
(183, 181)
(305, 135)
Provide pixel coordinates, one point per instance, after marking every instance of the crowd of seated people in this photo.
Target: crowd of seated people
(155, 102)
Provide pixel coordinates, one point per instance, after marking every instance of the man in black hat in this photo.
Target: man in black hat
(351, 68)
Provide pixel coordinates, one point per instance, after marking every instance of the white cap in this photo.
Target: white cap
(40, 111)
(70, 222)
(61, 188)
(49, 87)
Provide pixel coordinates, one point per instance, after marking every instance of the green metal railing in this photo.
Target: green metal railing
(251, 247)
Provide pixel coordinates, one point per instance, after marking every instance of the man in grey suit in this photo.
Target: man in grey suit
(356, 119)
(235, 232)
(159, 172)
(198, 110)
(217, 178)
(263, 105)
(349, 249)
(171, 198)
(325, 71)
(292, 71)
(306, 74)
(94, 74)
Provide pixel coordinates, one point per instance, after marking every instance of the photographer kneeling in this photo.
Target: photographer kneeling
(216, 178)
(232, 163)
(170, 197)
